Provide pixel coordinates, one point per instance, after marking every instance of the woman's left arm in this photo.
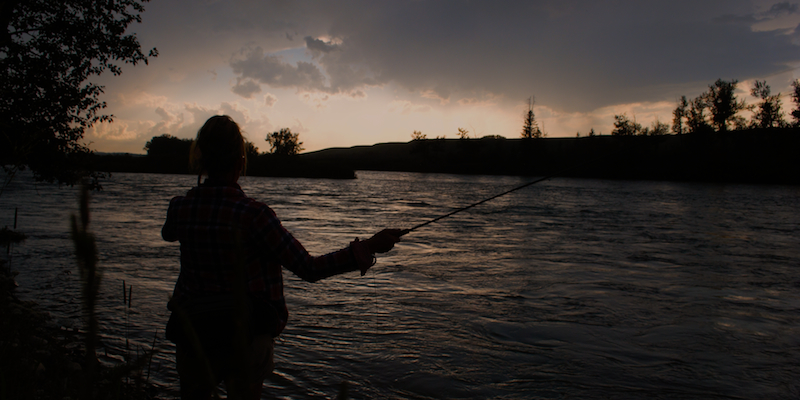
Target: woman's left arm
(170, 229)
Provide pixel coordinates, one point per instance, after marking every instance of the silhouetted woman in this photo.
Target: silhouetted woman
(228, 303)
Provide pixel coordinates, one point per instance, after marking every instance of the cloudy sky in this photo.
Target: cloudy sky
(346, 73)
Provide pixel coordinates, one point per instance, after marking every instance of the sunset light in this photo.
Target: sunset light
(360, 73)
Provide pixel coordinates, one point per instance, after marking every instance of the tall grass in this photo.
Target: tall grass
(91, 276)
(115, 383)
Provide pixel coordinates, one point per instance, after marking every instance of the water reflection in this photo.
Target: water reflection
(569, 288)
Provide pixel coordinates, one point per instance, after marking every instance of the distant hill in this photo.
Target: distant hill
(748, 156)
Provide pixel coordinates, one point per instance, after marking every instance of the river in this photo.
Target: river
(568, 289)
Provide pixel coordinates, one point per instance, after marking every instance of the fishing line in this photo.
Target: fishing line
(474, 204)
(456, 211)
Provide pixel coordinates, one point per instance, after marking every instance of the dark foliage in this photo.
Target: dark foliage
(417, 135)
(722, 104)
(284, 142)
(625, 127)
(297, 167)
(751, 156)
(768, 113)
(167, 145)
(169, 154)
(530, 128)
(713, 110)
(48, 51)
(250, 150)
(697, 120)
(796, 100)
(680, 113)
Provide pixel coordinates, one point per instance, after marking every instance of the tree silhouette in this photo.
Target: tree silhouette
(796, 101)
(168, 154)
(678, 115)
(768, 113)
(722, 104)
(658, 128)
(168, 145)
(625, 127)
(250, 150)
(530, 129)
(417, 135)
(284, 142)
(463, 133)
(696, 120)
(48, 51)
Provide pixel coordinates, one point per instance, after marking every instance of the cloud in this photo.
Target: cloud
(175, 75)
(317, 100)
(270, 70)
(581, 59)
(328, 73)
(572, 54)
(253, 128)
(200, 115)
(169, 123)
(140, 98)
(246, 88)
(164, 114)
(117, 131)
(779, 9)
(319, 46)
(406, 107)
(129, 130)
(775, 11)
(746, 19)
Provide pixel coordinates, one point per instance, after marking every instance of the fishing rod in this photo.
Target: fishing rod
(561, 172)
(405, 231)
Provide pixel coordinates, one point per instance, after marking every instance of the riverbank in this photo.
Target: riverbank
(265, 165)
(747, 156)
(761, 156)
(44, 361)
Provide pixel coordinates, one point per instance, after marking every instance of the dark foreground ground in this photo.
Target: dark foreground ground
(39, 360)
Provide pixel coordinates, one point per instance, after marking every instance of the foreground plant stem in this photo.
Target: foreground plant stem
(86, 252)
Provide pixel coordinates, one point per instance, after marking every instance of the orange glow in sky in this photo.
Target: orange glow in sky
(358, 73)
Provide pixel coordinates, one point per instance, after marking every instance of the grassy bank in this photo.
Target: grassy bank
(43, 361)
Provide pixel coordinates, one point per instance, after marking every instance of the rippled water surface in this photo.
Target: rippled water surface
(567, 289)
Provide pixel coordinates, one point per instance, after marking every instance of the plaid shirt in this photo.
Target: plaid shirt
(219, 227)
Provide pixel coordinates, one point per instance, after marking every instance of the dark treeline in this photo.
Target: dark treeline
(718, 110)
(167, 154)
(747, 156)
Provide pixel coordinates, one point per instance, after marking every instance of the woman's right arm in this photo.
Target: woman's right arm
(293, 256)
